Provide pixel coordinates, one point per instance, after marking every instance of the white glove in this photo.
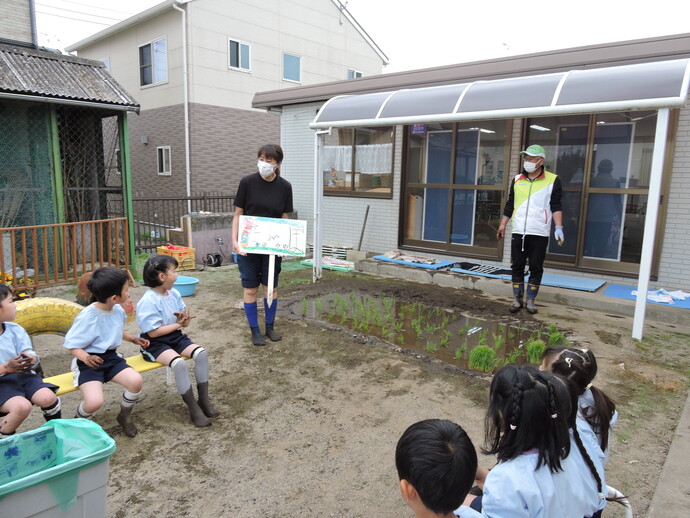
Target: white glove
(558, 234)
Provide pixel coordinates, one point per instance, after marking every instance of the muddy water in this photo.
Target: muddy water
(434, 331)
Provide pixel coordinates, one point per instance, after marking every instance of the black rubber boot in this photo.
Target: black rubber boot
(205, 402)
(257, 338)
(125, 420)
(518, 292)
(271, 334)
(195, 412)
(532, 290)
(56, 415)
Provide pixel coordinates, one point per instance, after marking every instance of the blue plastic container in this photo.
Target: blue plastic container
(185, 285)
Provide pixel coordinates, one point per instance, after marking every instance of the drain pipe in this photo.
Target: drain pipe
(187, 159)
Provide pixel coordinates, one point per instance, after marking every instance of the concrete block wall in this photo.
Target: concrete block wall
(161, 127)
(223, 146)
(224, 142)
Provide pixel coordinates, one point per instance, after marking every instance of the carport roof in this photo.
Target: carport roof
(641, 86)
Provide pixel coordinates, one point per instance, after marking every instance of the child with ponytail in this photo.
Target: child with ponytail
(539, 474)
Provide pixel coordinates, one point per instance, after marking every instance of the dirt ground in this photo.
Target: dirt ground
(309, 424)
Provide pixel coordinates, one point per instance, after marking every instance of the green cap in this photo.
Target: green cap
(534, 150)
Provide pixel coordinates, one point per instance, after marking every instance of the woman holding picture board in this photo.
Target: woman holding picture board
(264, 193)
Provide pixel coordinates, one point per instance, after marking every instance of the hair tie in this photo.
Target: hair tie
(554, 416)
(589, 386)
(585, 350)
(513, 427)
(569, 361)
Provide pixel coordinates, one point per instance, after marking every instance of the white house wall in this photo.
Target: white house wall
(122, 49)
(310, 29)
(342, 216)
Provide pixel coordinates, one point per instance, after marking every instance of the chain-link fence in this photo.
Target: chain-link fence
(58, 164)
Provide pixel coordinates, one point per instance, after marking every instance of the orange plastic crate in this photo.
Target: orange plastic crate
(185, 257)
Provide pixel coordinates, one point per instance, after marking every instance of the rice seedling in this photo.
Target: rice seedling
(499, 341)
(482, 358)
(512, 357)
(535, 350)
(459, 351)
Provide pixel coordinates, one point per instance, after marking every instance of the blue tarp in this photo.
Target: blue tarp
(620, 291)
(435, 266)
(548, 279)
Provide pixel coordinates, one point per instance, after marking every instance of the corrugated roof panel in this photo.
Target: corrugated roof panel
(626, 83)
(353, 107)
(45, 74)
(644, 86)
(437, 99)
(504, 94)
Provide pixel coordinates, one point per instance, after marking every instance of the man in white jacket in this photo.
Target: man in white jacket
(533, 202)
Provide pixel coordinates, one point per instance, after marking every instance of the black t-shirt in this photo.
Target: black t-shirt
(261, 198)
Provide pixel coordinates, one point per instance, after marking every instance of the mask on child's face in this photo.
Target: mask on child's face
(265, 169)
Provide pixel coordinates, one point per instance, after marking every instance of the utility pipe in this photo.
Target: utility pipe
(185, 73)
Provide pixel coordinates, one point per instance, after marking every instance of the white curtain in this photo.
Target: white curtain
(373, 158)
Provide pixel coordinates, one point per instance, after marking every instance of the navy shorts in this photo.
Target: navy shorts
(177, 341)
(254, 270)
(20, 384)
(113, 364)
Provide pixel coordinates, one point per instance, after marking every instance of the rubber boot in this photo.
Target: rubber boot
(271, 334)
(125, 420)
(532, 290)
(195, 412)
(56, 415)
(257, 338)
(518, 292)
(205, 402)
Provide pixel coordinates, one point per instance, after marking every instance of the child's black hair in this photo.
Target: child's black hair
(529, 409)
(439, 460)
(106, 282)
(5, 291)
(155, 265)
(273, 151)
(579, 366)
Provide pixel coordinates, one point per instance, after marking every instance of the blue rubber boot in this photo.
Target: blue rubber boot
(532, 290)
(518, 292)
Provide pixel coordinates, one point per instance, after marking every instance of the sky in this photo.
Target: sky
(428, 33)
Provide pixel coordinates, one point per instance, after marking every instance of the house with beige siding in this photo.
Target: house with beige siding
(428, 155)
(195, 66)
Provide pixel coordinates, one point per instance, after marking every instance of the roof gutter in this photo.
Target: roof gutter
(71, 102)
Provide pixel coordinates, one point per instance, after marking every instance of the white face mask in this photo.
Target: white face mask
(529, 167)
(265, 169)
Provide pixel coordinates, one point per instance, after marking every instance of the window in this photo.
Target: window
(164, 166)
(106, 62)
(291, 67)
(153, 62)
(455, 182)
(353, 74)
(359, 162)
(604, 164)
(238, 55)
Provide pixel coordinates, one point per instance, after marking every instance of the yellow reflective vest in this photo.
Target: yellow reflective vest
(531, 203)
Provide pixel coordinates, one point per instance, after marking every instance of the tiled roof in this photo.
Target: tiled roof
(46, 74)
